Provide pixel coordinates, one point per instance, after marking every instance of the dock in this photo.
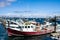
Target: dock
(55, 34)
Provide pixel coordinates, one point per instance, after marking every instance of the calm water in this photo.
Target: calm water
(41, 37)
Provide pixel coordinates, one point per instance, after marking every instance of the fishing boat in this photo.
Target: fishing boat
(58, 27)
(29, 28)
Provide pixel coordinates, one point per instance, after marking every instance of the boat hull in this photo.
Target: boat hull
(15, 32)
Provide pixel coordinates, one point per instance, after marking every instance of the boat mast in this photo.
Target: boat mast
(8, 23)
(55, 24)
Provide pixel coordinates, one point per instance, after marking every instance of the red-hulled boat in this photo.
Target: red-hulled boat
(29, 28)
(15, 32)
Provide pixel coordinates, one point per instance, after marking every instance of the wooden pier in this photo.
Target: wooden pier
(57, 34)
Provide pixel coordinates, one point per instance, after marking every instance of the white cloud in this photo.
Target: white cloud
(6, 3)
(36, 15)
(2, 4)
(30, 14)
(11, 0)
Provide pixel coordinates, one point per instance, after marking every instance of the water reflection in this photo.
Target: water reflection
(41, 37)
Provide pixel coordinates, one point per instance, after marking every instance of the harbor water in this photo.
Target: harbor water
(39, 37)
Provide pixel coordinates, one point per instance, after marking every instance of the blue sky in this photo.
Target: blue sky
(30, 8)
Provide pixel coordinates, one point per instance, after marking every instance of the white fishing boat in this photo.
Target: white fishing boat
(28, 28)
(58, 28)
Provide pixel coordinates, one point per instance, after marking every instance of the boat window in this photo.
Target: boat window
(28, 26)
(25, 26)
(19, 26)
(13, 23)
(31, 26)
(22, 26)
(12, 27)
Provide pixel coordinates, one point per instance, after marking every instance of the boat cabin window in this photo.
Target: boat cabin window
(28, 26)
(31, 26)
(18, 27)
(22, 26)
(25, 26)
(13, 23)
(12, 27)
